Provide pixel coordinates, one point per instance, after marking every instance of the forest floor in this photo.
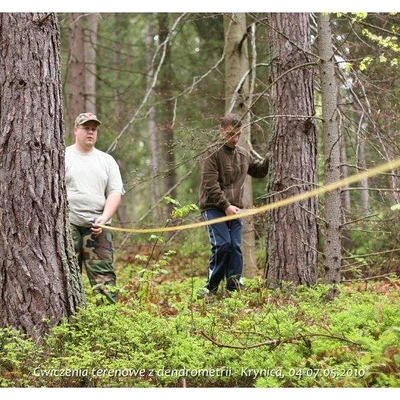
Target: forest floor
(161, 334)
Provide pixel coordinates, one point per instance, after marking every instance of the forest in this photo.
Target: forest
(316, 93)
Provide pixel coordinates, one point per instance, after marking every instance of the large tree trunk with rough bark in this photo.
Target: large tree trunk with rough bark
(292, 229)
(40, 282)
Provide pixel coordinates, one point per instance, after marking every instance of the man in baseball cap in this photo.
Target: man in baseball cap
(94, 191)
(86, 117)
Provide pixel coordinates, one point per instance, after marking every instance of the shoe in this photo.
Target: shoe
(235, 285)
(202, 293)
(238, 288)
(205, 294)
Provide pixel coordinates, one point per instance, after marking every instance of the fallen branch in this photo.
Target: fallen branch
(277, 342)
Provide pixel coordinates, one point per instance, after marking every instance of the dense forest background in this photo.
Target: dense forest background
(318, 92)
(157, 82)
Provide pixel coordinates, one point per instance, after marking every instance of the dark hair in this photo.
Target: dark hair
(230, 119)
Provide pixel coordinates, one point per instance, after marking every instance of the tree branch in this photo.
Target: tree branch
(370, 254)
(277, 342)
(353, 21)
(152, 86)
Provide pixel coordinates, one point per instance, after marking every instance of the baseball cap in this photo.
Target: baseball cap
(85, 117)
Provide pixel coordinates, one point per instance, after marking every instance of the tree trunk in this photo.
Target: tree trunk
(365, 208)
(90, 34)
(119, 22)
(151, 124)
(292, 229)
(40, 282)
(165, 115)
(76, 71)
(332, 245)
(236, 100)
(126, 210)
(345, 198)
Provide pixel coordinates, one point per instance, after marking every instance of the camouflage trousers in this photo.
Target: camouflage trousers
(96, 254)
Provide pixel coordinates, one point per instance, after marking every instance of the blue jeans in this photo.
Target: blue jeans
(226, 260)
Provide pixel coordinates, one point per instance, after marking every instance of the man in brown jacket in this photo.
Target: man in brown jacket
(224, 167)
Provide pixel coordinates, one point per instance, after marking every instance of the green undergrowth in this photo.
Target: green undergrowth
(161, 335)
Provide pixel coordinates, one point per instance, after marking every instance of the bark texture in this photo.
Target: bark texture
(76, 71)
(236, 100)
(39, 280)
(90, 49)
(292, 230)
(165, 116)
(332, 215)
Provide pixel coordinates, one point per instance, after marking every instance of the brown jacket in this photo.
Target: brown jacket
(223, 172)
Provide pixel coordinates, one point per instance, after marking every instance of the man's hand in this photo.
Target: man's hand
(96, 230)
(110, 208)
(232, 210)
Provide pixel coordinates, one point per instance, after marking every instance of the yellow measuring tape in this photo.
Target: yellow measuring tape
(302, 196)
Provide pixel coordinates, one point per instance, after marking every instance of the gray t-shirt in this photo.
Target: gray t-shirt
(90, 178)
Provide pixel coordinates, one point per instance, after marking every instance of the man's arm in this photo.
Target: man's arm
(110, 208)
(210, 181)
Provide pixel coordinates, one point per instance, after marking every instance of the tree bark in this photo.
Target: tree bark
(90, 46)
(76, 72)
(292, 229)
(365, 208)
(332, 243)
(165, 115)
(151, 123)
(345, 198)
(40, 282)
(236, 100)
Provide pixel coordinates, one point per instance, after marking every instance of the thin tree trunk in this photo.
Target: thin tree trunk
(332, 247)
(345, 197)
(165, 115)
(362, 164)
(390, 154)
(90, 34)
(117, 60)
(394, 196)
(76, 68)
(126, 210)
(292, 229)
(40, 282)
(151, 124)
(236, 100)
